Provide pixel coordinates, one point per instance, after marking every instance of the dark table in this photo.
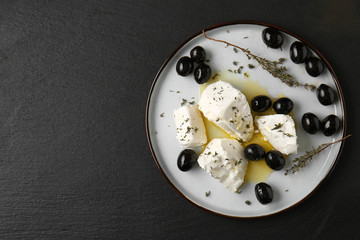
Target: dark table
(74, 159)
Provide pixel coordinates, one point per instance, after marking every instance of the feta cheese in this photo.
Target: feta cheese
(190, 129)
(279, 130)
(228, 108)
(224, 159)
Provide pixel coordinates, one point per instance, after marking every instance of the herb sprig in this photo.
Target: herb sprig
(300, 162)
(273, 67)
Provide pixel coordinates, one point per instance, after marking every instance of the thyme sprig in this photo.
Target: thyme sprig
(300, 162)
(273, 67)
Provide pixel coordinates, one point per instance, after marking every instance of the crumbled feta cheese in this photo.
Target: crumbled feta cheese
(224, 159)
(228, 108)
(279, 130)
(190, 129)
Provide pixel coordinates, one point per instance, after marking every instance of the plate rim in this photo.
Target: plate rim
(258, 23)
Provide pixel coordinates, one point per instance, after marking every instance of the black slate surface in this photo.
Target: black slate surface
(74, 79)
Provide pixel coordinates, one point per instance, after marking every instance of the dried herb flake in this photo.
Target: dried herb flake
(184, 101)
(277, 126)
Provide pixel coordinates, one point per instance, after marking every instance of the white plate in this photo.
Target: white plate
(163, 98)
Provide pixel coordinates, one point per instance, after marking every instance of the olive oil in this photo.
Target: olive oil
(257, 171)
(213, 131)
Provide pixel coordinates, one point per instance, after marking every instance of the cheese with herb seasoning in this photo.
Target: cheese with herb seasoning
(190, 129)
(228, 108)
(224, 159)
(279, 130)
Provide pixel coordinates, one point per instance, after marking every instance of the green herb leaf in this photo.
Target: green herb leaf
(277, 126)
(288, 135)
(184, 101)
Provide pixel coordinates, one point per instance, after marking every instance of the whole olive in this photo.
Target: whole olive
(272, 37)
(264, 193)
(260, 103)
(254, 152)
(198, 54)
(330, 125)
(298, 52)
(275, 160)
(283, 105)
(310, 123)
(325, 94)
(184, 66)
(186, 159)
(314, 67)
(202, 73)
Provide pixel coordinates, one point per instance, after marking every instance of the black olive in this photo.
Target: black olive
(202, 73)
(187, 158)
(198, 54)
(264, 193)
(272, 37)
(254, 152)
(325, 94)
(283, 105)
(314, 67)
(260, 103)
(298, 52)
(275, 160)
(330, 125)
(310, 123)
(184, 66)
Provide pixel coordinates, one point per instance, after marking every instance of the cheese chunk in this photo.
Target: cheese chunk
(279, 130)
(224, 159)
(190, 129)
(228, 108)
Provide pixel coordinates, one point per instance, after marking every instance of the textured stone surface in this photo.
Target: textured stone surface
(74, 160)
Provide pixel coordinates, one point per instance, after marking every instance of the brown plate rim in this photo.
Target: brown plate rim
(341, 96)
